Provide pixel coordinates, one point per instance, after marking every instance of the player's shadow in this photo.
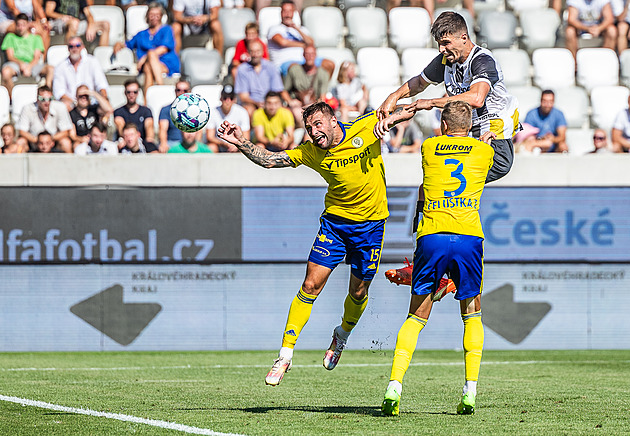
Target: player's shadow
(360, 410)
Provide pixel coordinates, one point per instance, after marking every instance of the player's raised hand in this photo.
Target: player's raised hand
(487, 137)
(386, 108)
(230, 133)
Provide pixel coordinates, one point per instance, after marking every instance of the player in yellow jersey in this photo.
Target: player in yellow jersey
(450, 241)
(348, 157)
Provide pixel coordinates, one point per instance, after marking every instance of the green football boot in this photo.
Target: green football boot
(467, 405)
(391, 402)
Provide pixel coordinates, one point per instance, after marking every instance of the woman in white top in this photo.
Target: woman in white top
(351, 93)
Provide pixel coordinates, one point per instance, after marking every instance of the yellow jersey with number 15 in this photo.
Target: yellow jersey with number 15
(353, 170)
(454, 174)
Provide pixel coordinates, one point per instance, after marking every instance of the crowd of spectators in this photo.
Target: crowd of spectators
(270, 79)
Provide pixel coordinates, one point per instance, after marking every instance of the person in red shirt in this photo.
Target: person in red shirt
(241, 53)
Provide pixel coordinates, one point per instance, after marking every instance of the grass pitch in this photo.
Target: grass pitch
(524, 392)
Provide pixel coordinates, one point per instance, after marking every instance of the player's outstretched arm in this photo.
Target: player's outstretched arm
(410, 88)
(232, 134)
(400, 114)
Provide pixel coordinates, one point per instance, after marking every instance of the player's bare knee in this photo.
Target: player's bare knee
(312, 287)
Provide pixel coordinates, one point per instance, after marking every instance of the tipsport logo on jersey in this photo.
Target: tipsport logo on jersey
(342, 163)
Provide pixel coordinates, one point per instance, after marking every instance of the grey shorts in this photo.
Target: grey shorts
(35, 72)
(503, 159)
(59, 26)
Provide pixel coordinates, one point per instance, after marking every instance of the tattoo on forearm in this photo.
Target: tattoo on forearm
(263, 157)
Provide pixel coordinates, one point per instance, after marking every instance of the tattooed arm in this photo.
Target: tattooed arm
(232, 134)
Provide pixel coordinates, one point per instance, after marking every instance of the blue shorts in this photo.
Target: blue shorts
(359, 242)
(459, 256)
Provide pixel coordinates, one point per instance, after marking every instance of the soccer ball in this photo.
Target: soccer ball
(190, 112)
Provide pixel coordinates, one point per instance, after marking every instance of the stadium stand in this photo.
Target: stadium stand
(539, 28)
(580, 141)
(378, 66)
(553, 68)
(201, 66)
(573, 102)
(606, 103)
(22, 95)
(597, 67)
(367, 27)
(497, 29)
(409, 27)
(270, 16)
(325, 24)
(157, 97)
(515, 65)
(233, 22)
(116, 19)
(624, 61)
(528, 98)
(337, 55)
(415, 59)
(5, 112)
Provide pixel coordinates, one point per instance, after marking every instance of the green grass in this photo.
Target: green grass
(540, 392)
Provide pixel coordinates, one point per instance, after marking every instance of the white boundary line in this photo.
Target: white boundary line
(349, 365)
(117, 416)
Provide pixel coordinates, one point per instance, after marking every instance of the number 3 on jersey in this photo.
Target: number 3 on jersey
(456, 174)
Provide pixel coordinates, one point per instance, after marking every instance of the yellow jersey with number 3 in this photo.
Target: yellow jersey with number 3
(353, 170)
(454, 174)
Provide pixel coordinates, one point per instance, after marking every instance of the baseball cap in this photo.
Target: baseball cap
(228, 92)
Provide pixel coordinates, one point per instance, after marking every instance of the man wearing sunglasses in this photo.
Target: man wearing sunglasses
(78, 68)
(168, 134)
(85, 114)
(135, 113)
(46, 115)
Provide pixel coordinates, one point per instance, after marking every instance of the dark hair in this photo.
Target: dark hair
(130, 126)
(448, 23)
(320, 106)
(21, 16)
(252, 25)
(287, 2)
(44, 133)
(272, 94)
(131, 82)
(43, 88)
(458, 115)
(547, 92)
(99, 126)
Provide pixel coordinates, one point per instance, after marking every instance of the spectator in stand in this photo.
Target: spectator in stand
(405, 137)
(131, 141)
(429, 5)
(136, 114)
(190, 144)
(592, 17)
(621, 131)
(350, 92)
(126, 4)
(96, 142)
(241, 51)
(556, 5)
(24, 51)
(46, 115)
(194, 17)
(38, 23)
(305, 83)
(552, 125)
(287, 40)
(85, 115)
(168, 134)
(155, 48)
(11, 144)
(273, 125)
(600, 142)
(73, 17)
(256, 78)
(230, 111)
(44, 143)
(620, 11)
(79, 68)
(266, 3)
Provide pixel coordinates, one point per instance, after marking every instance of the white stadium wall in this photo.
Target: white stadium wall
(206, 253)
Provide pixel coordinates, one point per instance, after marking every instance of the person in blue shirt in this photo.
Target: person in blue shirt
(155, 48)
(552, 125)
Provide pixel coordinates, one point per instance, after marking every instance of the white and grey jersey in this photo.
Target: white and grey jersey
(499, 112)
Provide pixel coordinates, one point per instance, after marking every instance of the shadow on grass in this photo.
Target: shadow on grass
(362, 410)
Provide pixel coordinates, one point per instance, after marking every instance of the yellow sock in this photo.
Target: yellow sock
(299, 313)
(473, 344)
(405, 346)
(352, 311)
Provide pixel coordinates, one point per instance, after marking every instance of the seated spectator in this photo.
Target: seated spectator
(126, 4)
(594, 18)
(85, 115)
(190, 144)
(38, 23)
(155, 48)
(132, 112)
(305, 83)
(231, 111)
(405, 137)
(24, 51)
(46, 115)
(11, 144)
(287, 40)
(79, 68)
(552, 125)
(429, 5)
(266, 3)
(256, 78)
(45, 143)
(131, 141)
(620, 12)
(168, 134)
(273, 125)
(350, 92)
(73, 17)
(96, 142)
(600, 142)
(621, 131)
(194, 17)
(241, 51)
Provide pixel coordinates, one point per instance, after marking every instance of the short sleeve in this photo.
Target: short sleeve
(434, 72)
(484, 68)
